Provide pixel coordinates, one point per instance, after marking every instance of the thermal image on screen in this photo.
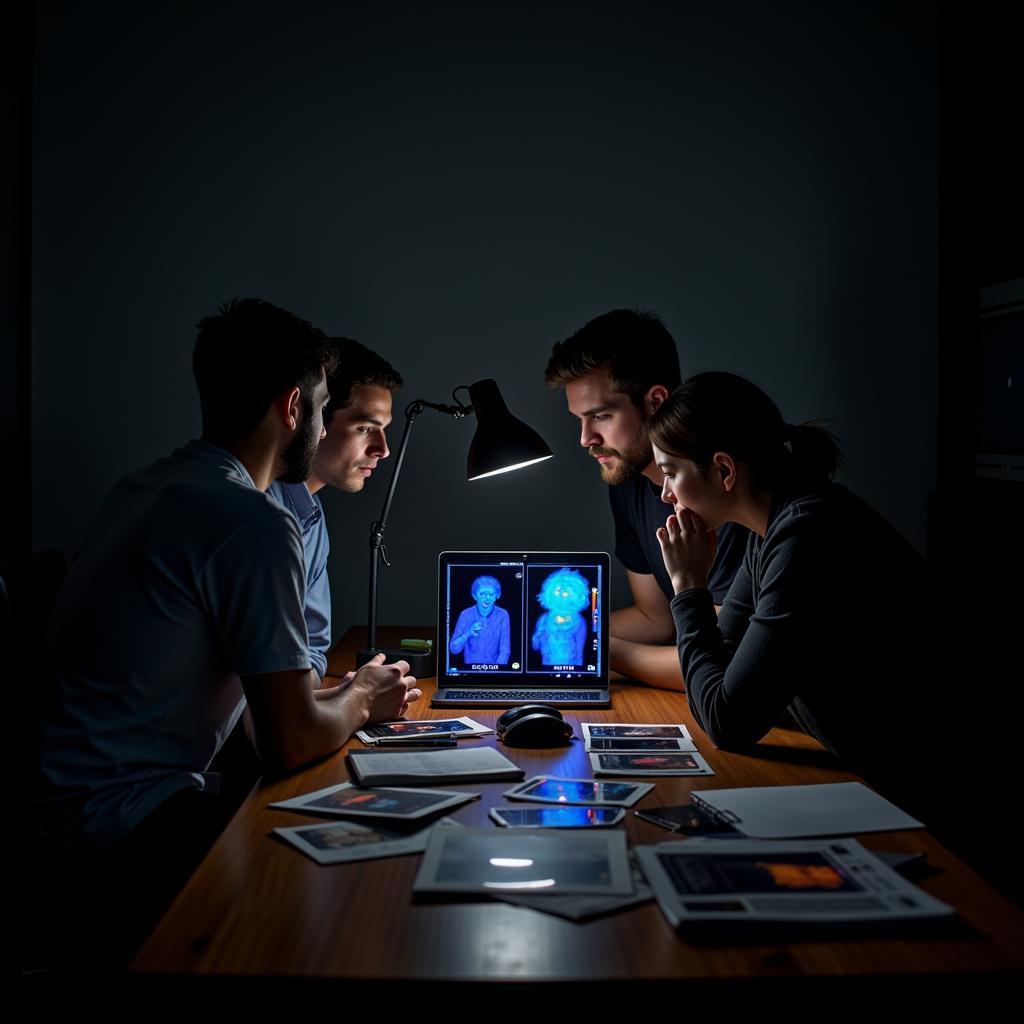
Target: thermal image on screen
(561, 631)
(527, 615)
(482, 630)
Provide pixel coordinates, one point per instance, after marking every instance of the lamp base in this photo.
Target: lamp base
(422, 664)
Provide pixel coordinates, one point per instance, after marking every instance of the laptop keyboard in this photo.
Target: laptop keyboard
(525, 695)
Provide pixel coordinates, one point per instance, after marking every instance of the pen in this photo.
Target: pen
(411, 745)
(426, 737)
(403, 741)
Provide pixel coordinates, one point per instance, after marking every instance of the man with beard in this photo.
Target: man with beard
(184, 603)
(358, 413)
(616, 370)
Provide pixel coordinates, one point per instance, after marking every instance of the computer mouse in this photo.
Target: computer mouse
(533, 725)
(506, 718)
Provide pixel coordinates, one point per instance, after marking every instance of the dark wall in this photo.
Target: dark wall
(460, 185)
(15, 285)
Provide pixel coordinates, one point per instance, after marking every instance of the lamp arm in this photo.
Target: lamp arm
(377, 549)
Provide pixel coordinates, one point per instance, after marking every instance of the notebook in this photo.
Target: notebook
(519, 627)
(422, 767)
(793, 812)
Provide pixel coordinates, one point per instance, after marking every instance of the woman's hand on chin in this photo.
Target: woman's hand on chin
(688, 548)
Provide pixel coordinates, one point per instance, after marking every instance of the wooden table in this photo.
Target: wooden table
(258, 908)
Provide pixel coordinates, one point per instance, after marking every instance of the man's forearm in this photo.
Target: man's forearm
(631, 624)
(654, 664)
(333, 723)
(316, 722)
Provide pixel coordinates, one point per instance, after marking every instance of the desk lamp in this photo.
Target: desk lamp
(501, 443)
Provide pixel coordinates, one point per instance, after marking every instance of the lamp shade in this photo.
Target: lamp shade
(501, 442)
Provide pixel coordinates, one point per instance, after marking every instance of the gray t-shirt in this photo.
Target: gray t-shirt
(189, 578)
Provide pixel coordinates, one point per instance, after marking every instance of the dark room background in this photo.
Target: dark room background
(459, 186)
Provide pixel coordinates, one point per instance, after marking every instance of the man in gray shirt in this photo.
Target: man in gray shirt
(164, 631)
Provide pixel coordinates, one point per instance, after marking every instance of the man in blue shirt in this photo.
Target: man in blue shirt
(483, 630)
(616, 370)
(355, 419)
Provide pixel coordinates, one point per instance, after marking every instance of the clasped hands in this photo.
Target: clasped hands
(688, 548)
(389, 688)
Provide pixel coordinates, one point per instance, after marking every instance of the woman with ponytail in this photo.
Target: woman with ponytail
(827, 617)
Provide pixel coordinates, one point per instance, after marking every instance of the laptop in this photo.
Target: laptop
(516, 627)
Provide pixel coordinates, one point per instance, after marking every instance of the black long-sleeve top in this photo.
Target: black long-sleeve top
(828, 617)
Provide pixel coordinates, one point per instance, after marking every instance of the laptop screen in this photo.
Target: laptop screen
(515, 618)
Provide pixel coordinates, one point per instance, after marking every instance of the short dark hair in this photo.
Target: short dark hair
(356, 365)
(634, 346)
(247, 354)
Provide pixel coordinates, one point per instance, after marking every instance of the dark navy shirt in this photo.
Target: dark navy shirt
(639, 512)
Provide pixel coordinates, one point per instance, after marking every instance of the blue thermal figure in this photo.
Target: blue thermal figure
(562, 630)
(482, 631)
